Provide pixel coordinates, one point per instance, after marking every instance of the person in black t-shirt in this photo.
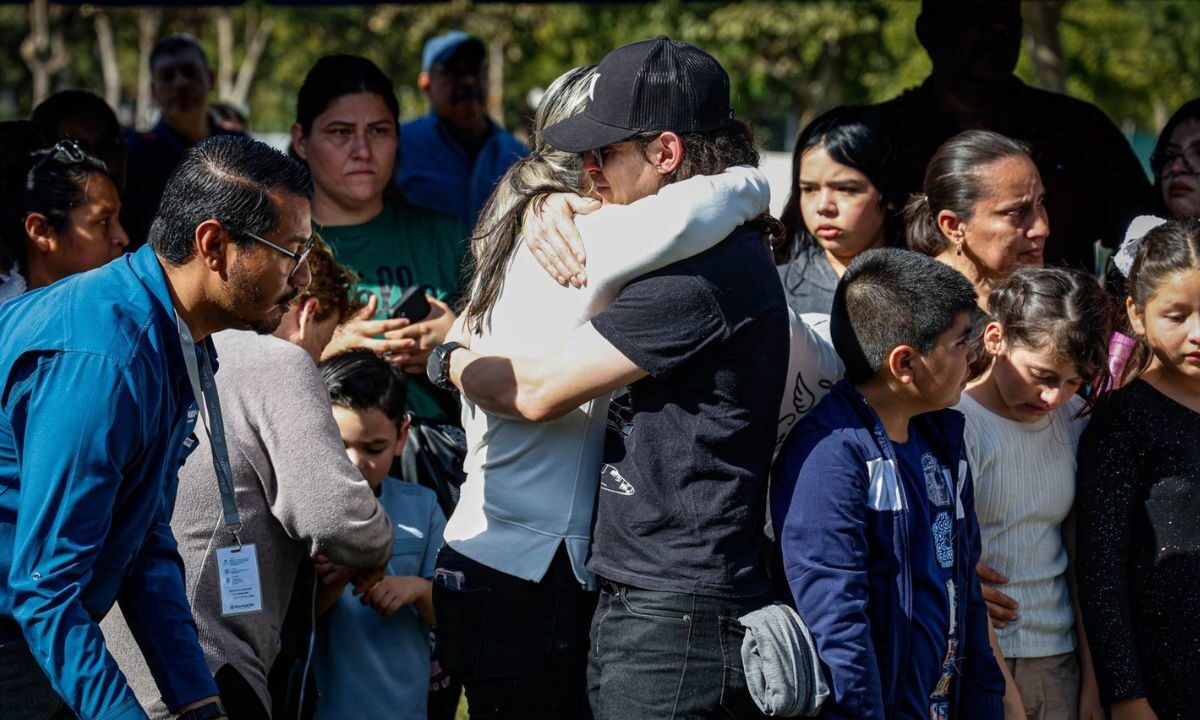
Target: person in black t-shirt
(703, 345)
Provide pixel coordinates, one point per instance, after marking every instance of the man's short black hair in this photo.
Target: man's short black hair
(173, 45)
(361, 380)
(67, 104)
(890, 297)
(230, 179)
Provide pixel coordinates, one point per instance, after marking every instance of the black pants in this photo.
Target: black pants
(25, 691)
(519, 647)
(238, 696)
(668, 656)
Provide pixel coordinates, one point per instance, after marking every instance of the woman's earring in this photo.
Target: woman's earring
(958, 247)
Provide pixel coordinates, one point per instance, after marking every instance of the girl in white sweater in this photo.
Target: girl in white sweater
(1047, 339)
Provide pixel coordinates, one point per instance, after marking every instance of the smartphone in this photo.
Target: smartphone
(413, 305)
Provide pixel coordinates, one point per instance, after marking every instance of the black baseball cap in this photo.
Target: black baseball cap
(659, 84)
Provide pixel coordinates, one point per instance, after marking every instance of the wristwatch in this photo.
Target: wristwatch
(208, 711)
(438, 367)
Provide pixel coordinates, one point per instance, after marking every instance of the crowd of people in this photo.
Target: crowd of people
(579, 428)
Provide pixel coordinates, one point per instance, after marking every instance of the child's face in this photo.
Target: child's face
(372, 441)
(939, 376)
(1171, 322)
(1030, 382)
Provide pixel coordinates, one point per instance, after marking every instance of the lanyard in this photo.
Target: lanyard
(204, 387)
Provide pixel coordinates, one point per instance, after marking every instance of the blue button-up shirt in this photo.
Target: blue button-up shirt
(96, 417)
(437, 173)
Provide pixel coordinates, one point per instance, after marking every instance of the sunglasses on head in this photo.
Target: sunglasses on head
(67, 152)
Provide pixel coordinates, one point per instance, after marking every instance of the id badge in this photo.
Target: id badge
(241, 588)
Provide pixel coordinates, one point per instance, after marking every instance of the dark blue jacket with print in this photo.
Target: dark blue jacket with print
(846, 535)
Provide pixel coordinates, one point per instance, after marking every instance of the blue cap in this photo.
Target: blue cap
(441, 48)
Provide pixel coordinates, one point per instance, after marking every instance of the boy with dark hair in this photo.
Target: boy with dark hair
(377, 646)
(875, 501)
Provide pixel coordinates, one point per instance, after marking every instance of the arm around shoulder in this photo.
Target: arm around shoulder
(541, 389)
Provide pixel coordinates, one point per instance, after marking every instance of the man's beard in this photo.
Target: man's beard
(245, 294)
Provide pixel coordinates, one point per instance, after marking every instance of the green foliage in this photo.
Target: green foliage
(788, 60)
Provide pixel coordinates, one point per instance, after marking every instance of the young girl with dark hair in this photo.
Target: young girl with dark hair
(59, 217)
(844, 200)
(345, 130)
(1046, 340)
(1139, 495)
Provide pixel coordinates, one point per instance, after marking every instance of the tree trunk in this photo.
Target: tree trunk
(108, 59)
(257, 43)
(497, 44)
(44, 52)
(1042, 18)
(225, 60)
(149, 20)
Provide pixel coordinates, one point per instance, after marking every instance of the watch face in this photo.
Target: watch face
(433, 366)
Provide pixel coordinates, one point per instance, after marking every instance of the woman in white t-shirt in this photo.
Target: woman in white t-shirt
(1047, 339)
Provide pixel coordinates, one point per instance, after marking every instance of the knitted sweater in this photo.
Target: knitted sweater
(1024, 488)
(298, 495)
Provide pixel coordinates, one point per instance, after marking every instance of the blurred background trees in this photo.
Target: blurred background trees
(789, 60)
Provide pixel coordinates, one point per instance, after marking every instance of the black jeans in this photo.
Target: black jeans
(519, 647)
(25, 691)
(666, 655)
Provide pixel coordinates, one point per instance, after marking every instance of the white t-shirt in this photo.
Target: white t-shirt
(1024, 488)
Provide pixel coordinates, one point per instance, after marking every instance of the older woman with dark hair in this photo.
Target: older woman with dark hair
(982, 209)
(1176, 163)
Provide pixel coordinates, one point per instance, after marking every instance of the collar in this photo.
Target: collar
(447, 132)
(942, 429)
(148, 268)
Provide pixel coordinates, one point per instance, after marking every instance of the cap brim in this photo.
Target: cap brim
(580, 133)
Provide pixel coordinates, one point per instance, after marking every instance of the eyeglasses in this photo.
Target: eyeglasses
(68, 152)
(1164, 161)
(598, 156)
(299, 257)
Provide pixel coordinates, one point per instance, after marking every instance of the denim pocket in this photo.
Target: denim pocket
(651, 604)
(735, 693)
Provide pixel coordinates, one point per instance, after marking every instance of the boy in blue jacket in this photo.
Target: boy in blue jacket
(875, 503)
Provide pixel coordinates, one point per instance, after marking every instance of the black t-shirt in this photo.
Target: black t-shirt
(683, 488)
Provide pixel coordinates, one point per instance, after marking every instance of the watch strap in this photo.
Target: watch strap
(208, 711)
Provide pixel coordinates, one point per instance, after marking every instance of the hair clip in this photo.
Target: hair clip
(1141, 225)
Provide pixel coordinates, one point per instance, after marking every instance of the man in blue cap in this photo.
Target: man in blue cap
(451, 158)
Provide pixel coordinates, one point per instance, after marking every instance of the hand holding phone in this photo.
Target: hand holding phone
(413, 305)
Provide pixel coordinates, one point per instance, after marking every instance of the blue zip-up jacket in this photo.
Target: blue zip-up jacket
(434, 172)
(96, 417)
(845, 539)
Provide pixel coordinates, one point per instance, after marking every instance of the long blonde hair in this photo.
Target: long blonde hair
(544, 170)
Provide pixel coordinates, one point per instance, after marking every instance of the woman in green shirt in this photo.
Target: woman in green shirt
(346, 131)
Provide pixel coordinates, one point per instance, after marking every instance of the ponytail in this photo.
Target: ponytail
(921, 232)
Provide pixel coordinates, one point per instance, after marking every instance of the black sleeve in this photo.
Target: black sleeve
(659, 321)
(1109, 495)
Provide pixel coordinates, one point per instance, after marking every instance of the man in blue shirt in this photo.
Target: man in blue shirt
(98, 403)
(451, 158)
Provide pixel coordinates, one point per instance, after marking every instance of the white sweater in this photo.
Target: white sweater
(1024, 488)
